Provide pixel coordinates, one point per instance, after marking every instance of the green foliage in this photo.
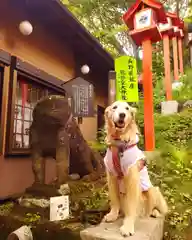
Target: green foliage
(172, 173)
(175, 129)
(170, 129)
(32, 218)
(185, 92)
(103, 19)
(6, 208)
(98, 200)
(157, 62)
(139, 65)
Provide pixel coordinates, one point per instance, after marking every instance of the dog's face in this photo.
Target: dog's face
(120, 114)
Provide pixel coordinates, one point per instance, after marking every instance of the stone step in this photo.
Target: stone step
(145, 229)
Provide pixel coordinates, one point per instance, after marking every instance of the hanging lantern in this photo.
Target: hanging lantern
(25, 28)
(85, 69)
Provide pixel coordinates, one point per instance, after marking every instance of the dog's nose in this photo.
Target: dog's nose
(122, 115)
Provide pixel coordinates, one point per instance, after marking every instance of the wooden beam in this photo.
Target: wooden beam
(5, 57)
(4, 108)
(39, 75)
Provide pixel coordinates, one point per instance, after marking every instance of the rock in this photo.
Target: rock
(188, 104)
(22, 233)
(64, 189)
(74, 176)
(145, 229)
(177, 85)
(30, 202)
(169, 107)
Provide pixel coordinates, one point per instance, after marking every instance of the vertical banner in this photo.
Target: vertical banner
(126, 79)
(133, 92)
(121, 78)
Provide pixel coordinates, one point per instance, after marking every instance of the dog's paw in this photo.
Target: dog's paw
(127, 230)
(155, 213)
(110, 217)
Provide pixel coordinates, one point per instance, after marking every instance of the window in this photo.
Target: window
(1, 94)
(27, 93)
(1, 88)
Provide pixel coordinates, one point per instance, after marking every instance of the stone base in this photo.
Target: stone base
(169, 107)
(145, 229)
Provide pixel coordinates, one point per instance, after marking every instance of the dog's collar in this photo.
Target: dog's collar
(115, 137)
(121, 145)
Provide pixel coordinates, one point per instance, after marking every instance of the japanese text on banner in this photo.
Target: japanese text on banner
(126, 79)
(133, 92)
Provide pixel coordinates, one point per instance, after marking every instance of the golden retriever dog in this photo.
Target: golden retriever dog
(128, 180)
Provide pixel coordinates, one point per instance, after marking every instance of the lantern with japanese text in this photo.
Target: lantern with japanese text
(142, 18)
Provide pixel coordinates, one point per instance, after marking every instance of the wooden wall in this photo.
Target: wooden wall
(47, 53)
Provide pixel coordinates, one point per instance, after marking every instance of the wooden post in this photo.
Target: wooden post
(180, 50)
(167, 79)
(148, 96)
(175, 59)
(111, 87)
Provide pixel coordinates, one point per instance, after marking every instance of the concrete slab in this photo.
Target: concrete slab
(145, 229)
(169, 107)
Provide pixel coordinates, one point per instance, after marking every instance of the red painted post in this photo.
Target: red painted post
(148, 96)
(175, 59)
(180, 49)
(167, 79)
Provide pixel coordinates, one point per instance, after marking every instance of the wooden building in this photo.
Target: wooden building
(39, 64)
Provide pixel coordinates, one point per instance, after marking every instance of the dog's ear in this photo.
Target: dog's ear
(108, 112)
(108, 115)
(133, 112)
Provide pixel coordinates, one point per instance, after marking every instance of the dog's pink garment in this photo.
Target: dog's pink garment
(129, 158)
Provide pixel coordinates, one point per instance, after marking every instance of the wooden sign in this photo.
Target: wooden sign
(59, 208)
(126, 79)
(143, 19)
(82, 94)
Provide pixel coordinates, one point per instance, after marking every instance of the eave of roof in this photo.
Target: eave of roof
(65, 17)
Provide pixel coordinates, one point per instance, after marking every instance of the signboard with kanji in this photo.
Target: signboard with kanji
(126, 79)
(82, 94)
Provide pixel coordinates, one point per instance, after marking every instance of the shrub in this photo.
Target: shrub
(174, 129)
(185, 92)
(171, 129)
(172, 173)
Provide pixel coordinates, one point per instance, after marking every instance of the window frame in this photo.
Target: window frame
(35, 76)
(5, 61)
